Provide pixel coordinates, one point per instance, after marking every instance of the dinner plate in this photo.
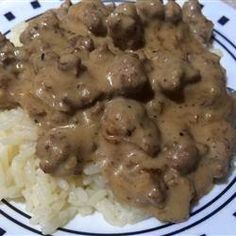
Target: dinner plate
(215, 214)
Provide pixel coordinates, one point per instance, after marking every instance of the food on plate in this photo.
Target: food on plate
(120, 109)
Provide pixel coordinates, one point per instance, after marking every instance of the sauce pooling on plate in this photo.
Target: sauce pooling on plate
(133, 88)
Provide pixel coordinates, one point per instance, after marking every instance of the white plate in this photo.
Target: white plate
(214, 215)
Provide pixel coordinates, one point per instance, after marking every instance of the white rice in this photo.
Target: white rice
(16, 32)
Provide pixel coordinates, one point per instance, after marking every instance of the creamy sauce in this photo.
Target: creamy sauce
(133, 88)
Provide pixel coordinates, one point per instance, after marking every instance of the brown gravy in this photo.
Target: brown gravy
(133, 87)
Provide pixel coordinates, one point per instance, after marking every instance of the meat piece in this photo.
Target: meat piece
(7, 56)
(5, 42)
(62, 11)
(6, 100)
(183, 157)
(70, 62)
(172, 80)
(86, 94)
(180, 195)
(171, 73)
(119, 117)
(201, 27)
(219, 168)
(191, 74)
(220, 139)
(7, 72)
(211, 93)
(66, 4)
(64, 150)
(155, 107)
(125, 28)
(150, 9)
(48, 87)
(2, 39)
(98, 65)
(126, 75)
(92, 14)
(173, 12)
(81, 42)
(48, 21)
(126, 120)
(61, 90)
(57, 154)
(40, 112)
(221, 146)
(5, 79)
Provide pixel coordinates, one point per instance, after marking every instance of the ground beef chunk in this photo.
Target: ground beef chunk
(48, 21)
(82, 42)
(70, 62)
(126, 74)
(92, 14)
(57, 154)
(183, 157)
(150, 9)
(173, 12)
(199, 24)
(125, 28)
(7, 72)
(7, 57)
(221, 146)
(6, 100)
(126, 120)
(172, 73)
